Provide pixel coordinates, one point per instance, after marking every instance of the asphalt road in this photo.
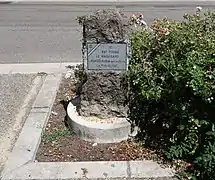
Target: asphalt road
(50, 33)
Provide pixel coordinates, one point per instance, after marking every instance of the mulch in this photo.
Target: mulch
(58, 144)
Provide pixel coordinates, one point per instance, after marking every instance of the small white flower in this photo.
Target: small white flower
(134, 16)
(141, 17)
(194, 67)
(68, 74)
(142, 23)
(54, 113)
(162, 78)
(198, 8)
(167, 33)
(94, 144)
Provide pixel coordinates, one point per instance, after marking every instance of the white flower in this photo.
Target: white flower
(198, 8)
(138, 20)
(68, 74)
(142, 23)
(141, 17)
(134, 16)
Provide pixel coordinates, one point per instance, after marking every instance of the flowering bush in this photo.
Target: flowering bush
(172, 73)
(138, 20)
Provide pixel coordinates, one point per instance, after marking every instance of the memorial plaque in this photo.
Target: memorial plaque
(103, 56)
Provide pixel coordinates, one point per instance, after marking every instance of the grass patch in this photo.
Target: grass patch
(55, 135)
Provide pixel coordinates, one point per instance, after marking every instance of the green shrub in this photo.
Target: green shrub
(172, 74)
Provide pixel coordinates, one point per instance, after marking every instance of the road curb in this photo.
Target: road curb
(8, 140)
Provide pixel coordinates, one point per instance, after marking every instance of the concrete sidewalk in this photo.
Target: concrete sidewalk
(19, 86)
(17, 93)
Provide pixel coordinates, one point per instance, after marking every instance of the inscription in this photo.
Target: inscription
(107, 56)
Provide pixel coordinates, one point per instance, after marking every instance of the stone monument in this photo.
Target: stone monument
(103, 90)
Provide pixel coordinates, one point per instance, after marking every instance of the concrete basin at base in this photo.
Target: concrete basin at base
(96, 131)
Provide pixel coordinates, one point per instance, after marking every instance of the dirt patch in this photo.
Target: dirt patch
(61, 145)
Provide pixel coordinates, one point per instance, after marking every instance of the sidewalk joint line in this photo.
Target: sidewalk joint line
(128, 169)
